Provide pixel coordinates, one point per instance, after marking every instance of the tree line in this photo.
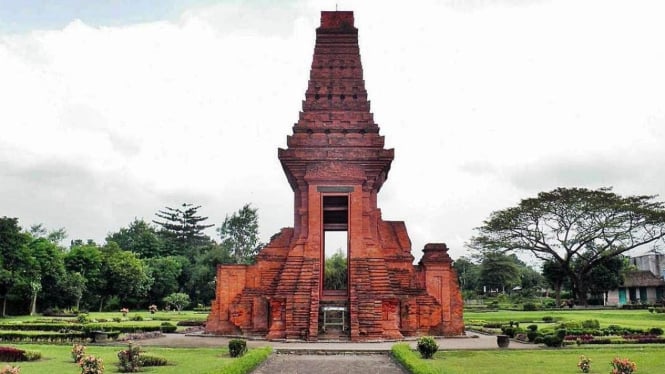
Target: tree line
(137, 266)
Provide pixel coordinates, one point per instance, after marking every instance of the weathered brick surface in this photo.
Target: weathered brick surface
(336, 149)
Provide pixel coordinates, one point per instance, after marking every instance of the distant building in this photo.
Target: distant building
(643, 286)
(653, 261)
(639, 287)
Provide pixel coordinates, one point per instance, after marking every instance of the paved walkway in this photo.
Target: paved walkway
(470, 341)
(329, 357)
(331, 364)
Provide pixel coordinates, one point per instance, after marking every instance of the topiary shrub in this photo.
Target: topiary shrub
(532, 335)
(150, 360)
(539, 339)
(656, 331)
(237, 347)
(532, 327)
(427, 346)
(129, 360)
(591, 324)
(548, 319)
(552, 341)
(167, 327)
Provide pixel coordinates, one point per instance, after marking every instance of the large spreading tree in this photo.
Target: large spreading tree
(577, 228)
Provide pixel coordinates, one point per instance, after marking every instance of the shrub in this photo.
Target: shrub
(117, 319)
(656, 331)
(539, 339)
(78, 351)
(83, 318)
(584, 364)
(532, 327)
(427, 346)
(10, 370)
(190, 323)
(137, 317)
(552, 341)
(530, 307)
(152, 308)
(548, 319)
(32, 355)
(532, 335)
(237, 347)
(10, 354)
(128, 360)
(150, 360)
(623, 366)
(167, 327)
(409, 359)
(92, 365)
(591, 324)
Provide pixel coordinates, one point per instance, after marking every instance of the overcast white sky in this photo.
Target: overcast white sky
(111, 110)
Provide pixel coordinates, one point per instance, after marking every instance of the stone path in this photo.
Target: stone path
(329, 364)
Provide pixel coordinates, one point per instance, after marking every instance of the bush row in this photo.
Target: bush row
(410, 359)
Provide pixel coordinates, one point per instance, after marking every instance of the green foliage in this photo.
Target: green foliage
(529, 307)
(468, 274)
(247, 362)
(152, 360)
(140, 238)
(656, 331)
(336, 276)
(16, 264)
(410, 361)
(237, 347)
(182, 230)
(498, 271)
(427, 346)
(240, 234)
(167, 327)
(128, 359)
(532, 327)
(165, 273)
(178, 300)
(552, 341)
(591, 324)
(577, 228)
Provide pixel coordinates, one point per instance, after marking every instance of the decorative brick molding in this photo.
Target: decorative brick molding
(336, 153)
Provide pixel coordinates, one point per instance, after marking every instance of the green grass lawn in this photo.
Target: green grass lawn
(642, 319)
(56, 359)
(650, 360)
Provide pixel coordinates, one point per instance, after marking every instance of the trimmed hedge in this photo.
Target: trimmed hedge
(410, 360)
(41, 336)
(248, 362)
(150, 360)
(189, 323)
(41, 326)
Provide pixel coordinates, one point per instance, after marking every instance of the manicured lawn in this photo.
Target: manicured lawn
(56, 359)
(649, 359)
(642, 319)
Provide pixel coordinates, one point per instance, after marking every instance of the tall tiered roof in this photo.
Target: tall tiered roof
(336, 123)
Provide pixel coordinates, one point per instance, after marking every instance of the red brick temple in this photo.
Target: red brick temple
(336, 163)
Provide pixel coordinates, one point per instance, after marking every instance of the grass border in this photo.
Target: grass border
(248, 362)
(409, 359)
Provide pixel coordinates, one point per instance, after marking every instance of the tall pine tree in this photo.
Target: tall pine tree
(182, 230)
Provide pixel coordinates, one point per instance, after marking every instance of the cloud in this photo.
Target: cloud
(101, 124)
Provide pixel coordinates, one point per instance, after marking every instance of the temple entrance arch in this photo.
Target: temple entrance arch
(335, 247)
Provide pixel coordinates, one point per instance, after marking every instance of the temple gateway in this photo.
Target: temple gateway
(341, 271)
